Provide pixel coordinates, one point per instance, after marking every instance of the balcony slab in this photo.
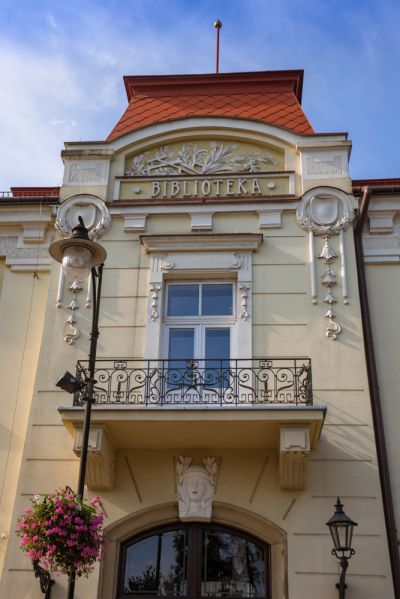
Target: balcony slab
(239, 427)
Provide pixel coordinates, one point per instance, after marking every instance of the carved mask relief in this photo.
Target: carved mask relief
(195, 486)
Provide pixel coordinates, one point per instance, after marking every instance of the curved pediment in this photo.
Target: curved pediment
(203, 162)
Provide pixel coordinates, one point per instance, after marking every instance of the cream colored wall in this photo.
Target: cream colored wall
(383, 281)
(285, 323)
(22, 307)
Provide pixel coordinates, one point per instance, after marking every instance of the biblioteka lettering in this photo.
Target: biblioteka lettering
(206, 187)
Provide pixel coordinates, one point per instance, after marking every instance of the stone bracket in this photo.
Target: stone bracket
(270, 219)
(294, 452)
(201, 221)
(381, 221)
(101, 458)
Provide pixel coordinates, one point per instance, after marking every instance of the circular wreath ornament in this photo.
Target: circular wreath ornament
(63, 532)
(325, 211)
(93, 210)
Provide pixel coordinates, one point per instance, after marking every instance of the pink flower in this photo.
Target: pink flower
(63, 532)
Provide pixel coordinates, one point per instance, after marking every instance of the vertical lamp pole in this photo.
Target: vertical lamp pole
(341, 529)
(81, 257)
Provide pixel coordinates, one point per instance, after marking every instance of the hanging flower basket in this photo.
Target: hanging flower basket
(63, 532)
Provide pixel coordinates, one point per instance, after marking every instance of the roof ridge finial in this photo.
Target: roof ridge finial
(217, 25)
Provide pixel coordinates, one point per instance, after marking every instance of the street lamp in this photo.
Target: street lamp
(341, 529)
(81, 257)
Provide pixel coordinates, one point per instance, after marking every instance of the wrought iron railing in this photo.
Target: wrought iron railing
(200, 382)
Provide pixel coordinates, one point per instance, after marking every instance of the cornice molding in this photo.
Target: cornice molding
(24, 237)
(201, 242)
(33, 220)
(135, 216)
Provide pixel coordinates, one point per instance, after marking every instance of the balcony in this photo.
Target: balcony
(200, 383)
(263, 403)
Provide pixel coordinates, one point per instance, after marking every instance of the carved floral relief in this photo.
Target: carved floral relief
(196, 159)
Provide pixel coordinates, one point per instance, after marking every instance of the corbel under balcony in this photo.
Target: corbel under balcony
(291, 430)
(294, 452)
(101, 457)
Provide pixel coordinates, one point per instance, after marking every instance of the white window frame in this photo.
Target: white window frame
(200, 258)
(200, 322)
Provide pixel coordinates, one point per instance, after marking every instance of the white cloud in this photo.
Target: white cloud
(51, 21)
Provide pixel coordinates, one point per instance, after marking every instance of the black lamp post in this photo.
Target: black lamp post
(341, 528)
(81, 257)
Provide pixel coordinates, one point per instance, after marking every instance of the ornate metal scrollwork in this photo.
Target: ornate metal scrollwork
(200, 382)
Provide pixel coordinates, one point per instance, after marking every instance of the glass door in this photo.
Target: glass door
(197, 341)
(217, 345)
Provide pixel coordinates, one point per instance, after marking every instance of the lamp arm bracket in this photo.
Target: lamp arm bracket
(45, 580)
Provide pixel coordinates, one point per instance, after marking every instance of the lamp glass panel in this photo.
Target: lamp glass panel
(76, 263)
(335, 536)
(349, 535)
(342, 530)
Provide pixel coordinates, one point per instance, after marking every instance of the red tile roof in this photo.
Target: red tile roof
(272, 97)
(32, 192)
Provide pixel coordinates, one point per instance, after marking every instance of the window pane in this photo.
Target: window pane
(217, 344)
(157, 565)
(180, 353)
(217, 299)
(181, 344)
(183, 300)
(232, 566)
(216, 372)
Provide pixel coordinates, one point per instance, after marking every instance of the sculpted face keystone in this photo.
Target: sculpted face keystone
(195, 487)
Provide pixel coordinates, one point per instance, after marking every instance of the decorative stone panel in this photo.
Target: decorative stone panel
(82, 173)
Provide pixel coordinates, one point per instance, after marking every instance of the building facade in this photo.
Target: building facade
(235, 395)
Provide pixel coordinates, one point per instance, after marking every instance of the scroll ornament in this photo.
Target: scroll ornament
(328, 257)
(327, 212)
(154, 291)
(73, 332)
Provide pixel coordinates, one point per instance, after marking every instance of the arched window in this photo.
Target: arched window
(194, 560)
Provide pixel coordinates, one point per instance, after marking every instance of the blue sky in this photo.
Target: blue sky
(61, 64)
